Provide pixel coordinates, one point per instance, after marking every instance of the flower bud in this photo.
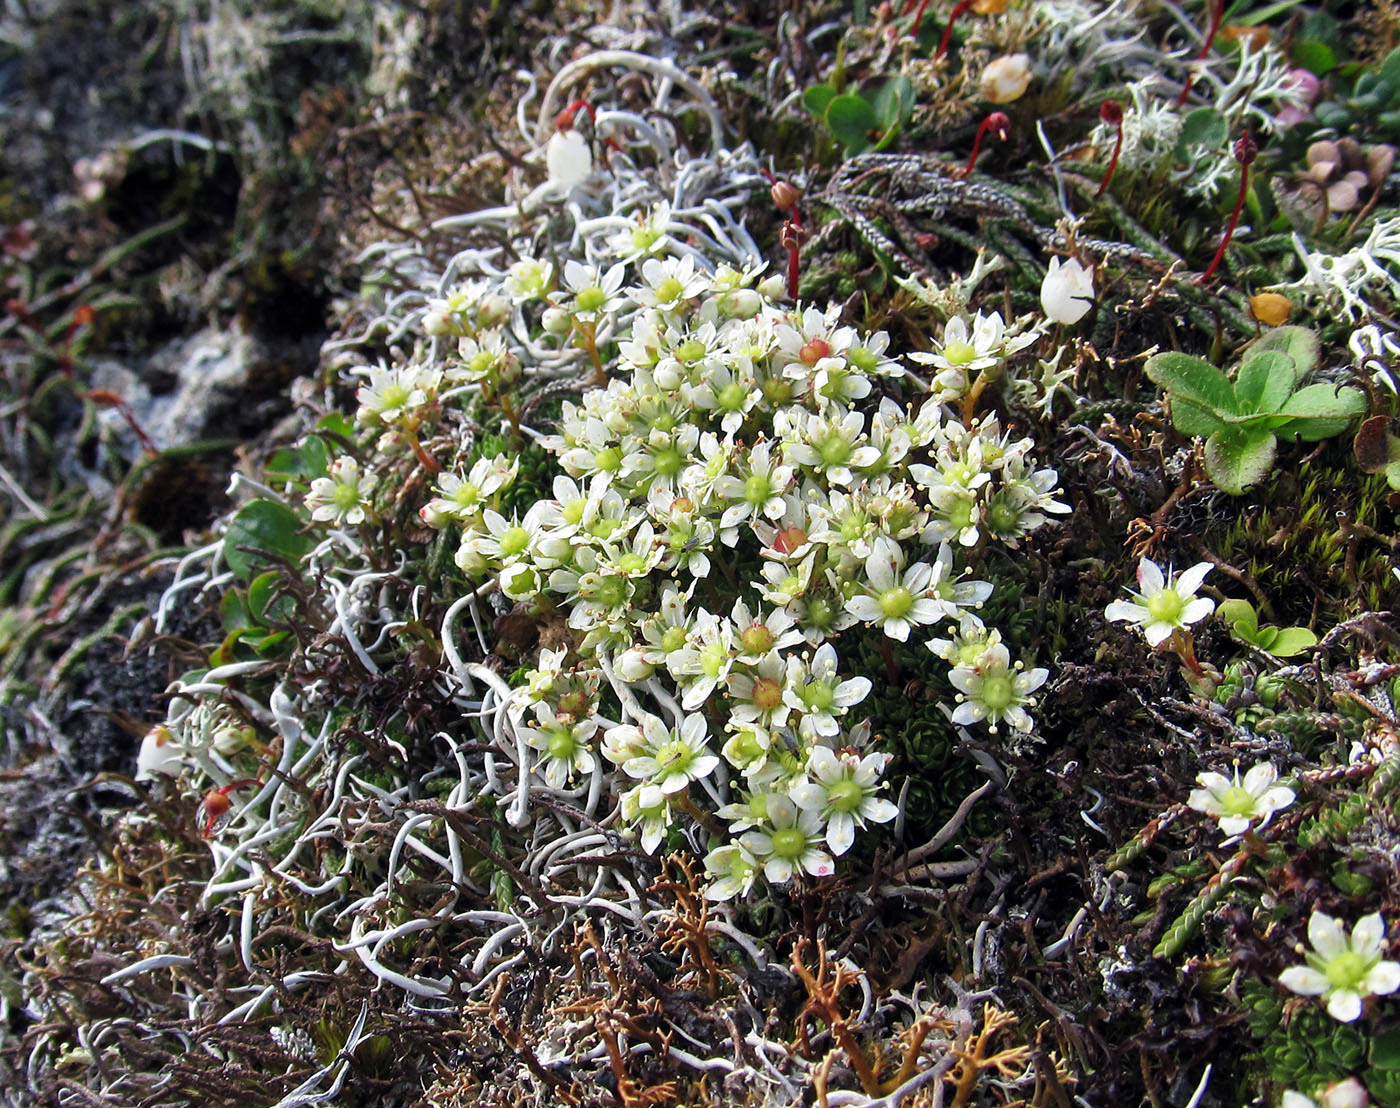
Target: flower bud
(556, 321)
(1006, 79)
(493, 310)
(772, 288)
(785, 196)
(439, 324)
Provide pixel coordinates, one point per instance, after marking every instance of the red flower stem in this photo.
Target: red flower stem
(1111, 112)
(1217, 10)
(565, 119)
(997, 121)
(962, 6)
(1245, 149)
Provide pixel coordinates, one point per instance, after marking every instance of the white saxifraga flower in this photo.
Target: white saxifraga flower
(895, 598)
(1067, 293)
(669, 759)
(394, 394)
(733, 869)
(648, 808)
(342, 497)
(1344, 970)
(841, 789)
(1340, 1094)
(1164, 604)
(790, 843)
(815, 690)
(562, 743)
(1236, 804)
(993, 690)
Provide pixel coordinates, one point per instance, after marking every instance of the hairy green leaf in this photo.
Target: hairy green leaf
(1192, 379)
(1298, 343)
(1237, 458)
(1321, 411)
(1265, 381)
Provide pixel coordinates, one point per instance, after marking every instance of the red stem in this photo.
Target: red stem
(1217, 12)
(962, 6)
(996, 120)
(1111, 112)
(1245, 149)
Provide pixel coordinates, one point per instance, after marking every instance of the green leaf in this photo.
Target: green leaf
(234, 612)
(1238, 14)
(267, 526)
(851, 119)
(1390, 69)
(1385, 1049)
(1265, 381)
(1316, 57)
(1238, 613)
(263, 605)
(816, 99)
(1192, 419)
(894, 103)
(1203, 127)
(306, 461)
(1321, 411)
(1236, 459)
(1192, 379)
(1298, 343)
(1290, 641)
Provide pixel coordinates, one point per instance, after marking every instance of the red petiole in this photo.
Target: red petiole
(947, 38)
(996, 121)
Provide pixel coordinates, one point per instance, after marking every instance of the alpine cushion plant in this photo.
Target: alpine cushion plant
(1242, 419)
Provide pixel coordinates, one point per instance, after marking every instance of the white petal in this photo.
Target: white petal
(1217, 783)
(1127, 610)
(1149, 576)
(1191, 579)
(1367, 935)
(1383, 978)
(1234, 825)
(1197, 610)
(1258, 779)
(1157, 632)
(1344, 1005)
(1304, 980)
(1327, 936)
(840, 833)
(808, 795)
(882, 811)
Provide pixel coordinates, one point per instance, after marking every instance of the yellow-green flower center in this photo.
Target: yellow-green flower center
(1166, 606)
(790, 843)
(1347, 970)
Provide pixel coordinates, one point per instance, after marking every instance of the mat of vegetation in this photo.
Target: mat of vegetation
(739, 555)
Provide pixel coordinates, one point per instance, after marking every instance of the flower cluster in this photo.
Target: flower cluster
(740, 490)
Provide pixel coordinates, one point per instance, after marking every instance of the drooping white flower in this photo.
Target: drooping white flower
(159, 753)
(568, 159)
(1236, 804)
(1164, 604)
(1345, 970)
(1067, 292)
(1006, 78)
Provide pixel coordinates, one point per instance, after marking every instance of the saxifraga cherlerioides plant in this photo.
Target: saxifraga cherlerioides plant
(731, 481)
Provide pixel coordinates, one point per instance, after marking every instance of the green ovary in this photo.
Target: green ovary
(844, 796)
(997, 693)
(673, 757)
(789, 843)
(692, 350)
(514, 540)
(667, 461)
(590, 299)
(960, 353)
(712, 659)
(1238, 801)
(757, 490)
(673, 639)
(818, 696)
(1347, 970)
(1166, 607)
(562, 744)
(896, 603)
(393, 396)
(834, 451)
(669, 291)
(632, 564)
(757, 639)
(345, 497)
(608, 459)
(767, 694)
(731, 397)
